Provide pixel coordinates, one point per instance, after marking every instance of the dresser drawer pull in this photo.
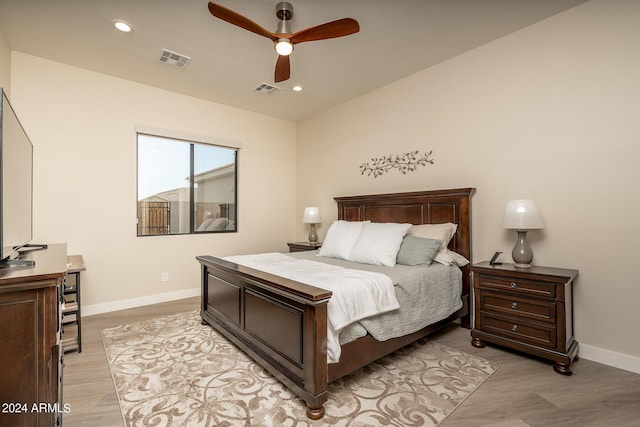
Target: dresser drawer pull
(514, 285)
(514, 305)
(514, 328)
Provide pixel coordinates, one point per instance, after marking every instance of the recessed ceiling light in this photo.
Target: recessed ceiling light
(297, 88)
(123, 26)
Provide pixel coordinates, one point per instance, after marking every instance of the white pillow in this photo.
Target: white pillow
(447, 257)
(442, 232)
(379, 243)
(340, 238)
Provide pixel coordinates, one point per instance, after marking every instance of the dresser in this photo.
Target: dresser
(30, 349)
(526, 309)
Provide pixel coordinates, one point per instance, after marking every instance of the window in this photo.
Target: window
(185, 187)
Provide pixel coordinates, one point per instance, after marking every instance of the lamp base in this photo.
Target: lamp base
(313, 236)
(519, 265)
(522, 254)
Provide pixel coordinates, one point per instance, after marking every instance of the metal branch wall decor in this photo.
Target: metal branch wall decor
(404, 162)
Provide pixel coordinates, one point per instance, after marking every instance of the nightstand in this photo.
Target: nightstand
(526, 309)
(303, 246)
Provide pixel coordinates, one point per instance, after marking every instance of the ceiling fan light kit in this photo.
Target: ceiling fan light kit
(283, 38)
(284, 47)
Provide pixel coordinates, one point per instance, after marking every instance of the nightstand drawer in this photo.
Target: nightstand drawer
(544, 311)
(516, 329)
(524, 287)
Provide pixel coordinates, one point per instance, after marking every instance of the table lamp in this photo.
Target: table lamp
(311, 216)
(522, 215)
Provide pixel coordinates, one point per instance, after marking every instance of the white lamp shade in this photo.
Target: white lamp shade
(522, 215)
(311, 215)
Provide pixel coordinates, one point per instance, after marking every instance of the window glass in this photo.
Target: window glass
(185, 187)
(214, 188)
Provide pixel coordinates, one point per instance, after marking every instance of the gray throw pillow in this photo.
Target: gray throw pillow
(417, 250)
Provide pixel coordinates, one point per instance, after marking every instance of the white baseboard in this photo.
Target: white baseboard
(611, 358)
(138, 302)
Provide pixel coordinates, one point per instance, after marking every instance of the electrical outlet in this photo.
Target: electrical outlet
(165, 277)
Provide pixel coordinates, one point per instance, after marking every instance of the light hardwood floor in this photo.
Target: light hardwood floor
(523, 392)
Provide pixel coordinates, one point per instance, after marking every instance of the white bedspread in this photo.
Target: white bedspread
(356, 294)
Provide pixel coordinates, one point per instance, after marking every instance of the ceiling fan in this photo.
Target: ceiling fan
(283, 38)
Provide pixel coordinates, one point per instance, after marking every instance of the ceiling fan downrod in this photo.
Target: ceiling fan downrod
(284, 12)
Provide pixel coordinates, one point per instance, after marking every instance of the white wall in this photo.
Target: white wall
(5, 62)
(82, 125)
(550, 113)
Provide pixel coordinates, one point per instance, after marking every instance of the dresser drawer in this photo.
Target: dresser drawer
(511, 305)
(523, 287)
(519, 330)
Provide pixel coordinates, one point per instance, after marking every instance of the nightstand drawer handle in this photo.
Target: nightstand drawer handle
(514, 328)
(514, 285)
(514, 305)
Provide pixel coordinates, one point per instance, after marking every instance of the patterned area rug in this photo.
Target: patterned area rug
(173, 371)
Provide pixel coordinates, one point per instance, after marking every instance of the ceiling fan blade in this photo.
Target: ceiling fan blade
(283, 69)
(341, 27)
(235, 18)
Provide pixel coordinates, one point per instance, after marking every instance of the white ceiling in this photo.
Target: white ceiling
(396, 39)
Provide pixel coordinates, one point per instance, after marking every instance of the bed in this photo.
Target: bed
(282, 323)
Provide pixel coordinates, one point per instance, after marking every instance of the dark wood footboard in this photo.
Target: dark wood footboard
(280, 323)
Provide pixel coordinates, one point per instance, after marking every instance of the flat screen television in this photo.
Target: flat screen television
(16, 184)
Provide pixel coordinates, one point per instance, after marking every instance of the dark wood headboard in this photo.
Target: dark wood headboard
(422, 207)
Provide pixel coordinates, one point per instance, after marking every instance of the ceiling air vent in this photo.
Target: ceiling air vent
(266, 88)
(173, 58)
